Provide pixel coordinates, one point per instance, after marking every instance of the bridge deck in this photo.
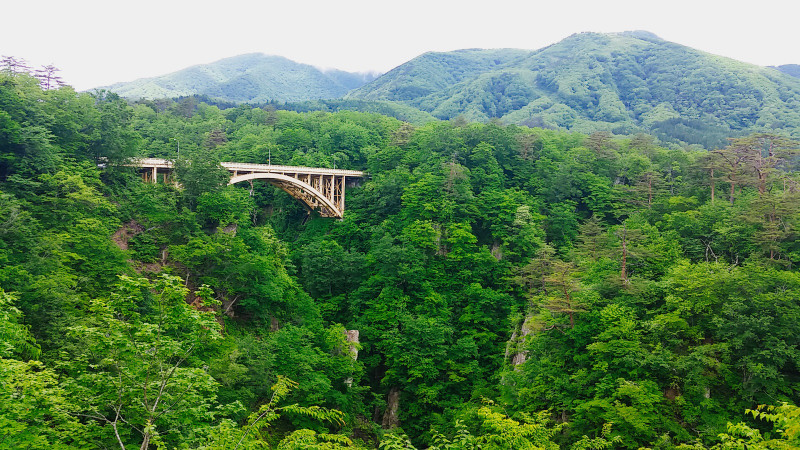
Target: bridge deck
(159, 163)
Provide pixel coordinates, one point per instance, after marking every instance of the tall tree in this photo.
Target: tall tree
(48, 78)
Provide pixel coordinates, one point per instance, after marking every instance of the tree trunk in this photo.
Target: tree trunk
(145, 442)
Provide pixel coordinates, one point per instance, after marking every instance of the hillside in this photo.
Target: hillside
(502, 287)
(252, 77)
(489, 286)
(622, 82)
(435, 72)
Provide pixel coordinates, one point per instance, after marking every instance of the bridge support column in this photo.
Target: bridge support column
(341, 193)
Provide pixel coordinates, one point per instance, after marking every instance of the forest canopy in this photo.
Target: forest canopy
(490, 286)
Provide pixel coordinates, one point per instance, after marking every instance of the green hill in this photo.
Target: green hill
(622, 82)
(434, 72)
(251, 78)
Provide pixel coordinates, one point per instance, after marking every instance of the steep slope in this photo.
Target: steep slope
(247, 78)
(622, 82)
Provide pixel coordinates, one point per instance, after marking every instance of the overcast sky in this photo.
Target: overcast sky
(99, 42)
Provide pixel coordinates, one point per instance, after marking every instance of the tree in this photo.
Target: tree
(111, 138)
(255, 433)
(769, 153)
(732, 159)
(34, 411)
(145, 345)
(13, 66)
(786, 422)
(48, 78)
(199, 173)
(592, 240)
(565, 284)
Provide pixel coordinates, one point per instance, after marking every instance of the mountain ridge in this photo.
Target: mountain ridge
(251, 77)
(626, 82)
(621, 82)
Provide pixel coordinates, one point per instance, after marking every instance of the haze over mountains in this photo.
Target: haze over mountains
(252, 77)
(790, 69)
(621, 82)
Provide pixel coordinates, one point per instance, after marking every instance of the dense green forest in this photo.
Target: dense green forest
(622, 82)
(509, 287)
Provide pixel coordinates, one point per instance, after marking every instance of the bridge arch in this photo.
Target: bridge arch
(297, 188)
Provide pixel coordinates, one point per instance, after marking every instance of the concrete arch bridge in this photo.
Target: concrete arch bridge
(317, 188)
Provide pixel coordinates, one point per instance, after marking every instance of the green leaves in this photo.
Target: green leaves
(140, 345)
(35, 412)
(15, 338)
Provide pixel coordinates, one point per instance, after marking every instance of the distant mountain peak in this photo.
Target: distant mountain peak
(789, 69)
(641, 34)
(250, 77)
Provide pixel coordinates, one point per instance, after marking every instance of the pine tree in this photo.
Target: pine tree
(48, 78)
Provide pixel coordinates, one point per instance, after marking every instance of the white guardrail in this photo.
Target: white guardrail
(247, 167)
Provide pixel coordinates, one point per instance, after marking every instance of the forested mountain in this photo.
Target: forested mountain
(436, 72)
(790, 69)
(490, 286)
(251, 78)
(624, 83)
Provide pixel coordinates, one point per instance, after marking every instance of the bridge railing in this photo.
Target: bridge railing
(291, 169)
(245, 167)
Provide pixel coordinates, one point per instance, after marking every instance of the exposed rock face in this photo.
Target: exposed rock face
(126, 232)
(390, 416)
(352, 338)
(497, 251)
(231, 228)
(516, 345)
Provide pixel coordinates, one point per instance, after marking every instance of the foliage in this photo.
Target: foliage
(141, 343)
(602, 292)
